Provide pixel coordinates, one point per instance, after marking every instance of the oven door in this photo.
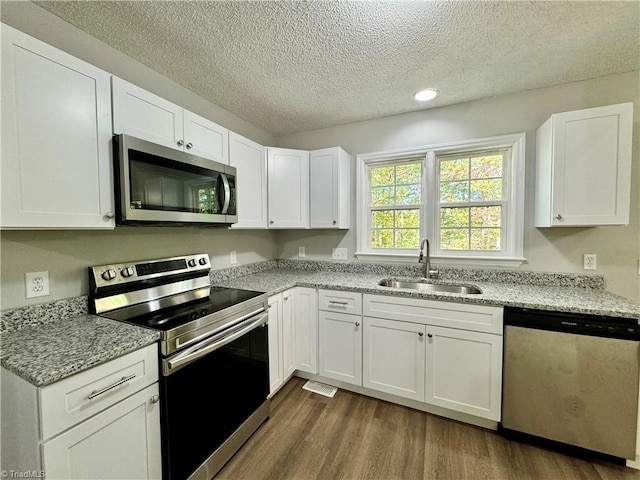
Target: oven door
(159, 184)
(209, 391)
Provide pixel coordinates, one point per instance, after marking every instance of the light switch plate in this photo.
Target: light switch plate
(233, 257)
(339, 253)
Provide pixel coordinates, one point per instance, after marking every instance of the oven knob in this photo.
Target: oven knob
(127, 272)
(108, 274)
(192, 262)
(202, 261)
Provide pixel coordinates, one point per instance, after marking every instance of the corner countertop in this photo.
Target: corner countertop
(45, 353)
(557, 298)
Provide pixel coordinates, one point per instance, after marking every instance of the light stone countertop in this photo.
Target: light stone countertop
(557, 298)
(48, 352)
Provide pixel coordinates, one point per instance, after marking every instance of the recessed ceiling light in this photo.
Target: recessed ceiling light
(426, 94)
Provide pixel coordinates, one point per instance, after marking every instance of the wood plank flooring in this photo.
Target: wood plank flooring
(351, 436)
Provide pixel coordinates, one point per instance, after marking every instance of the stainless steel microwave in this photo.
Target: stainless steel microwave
(160, 185)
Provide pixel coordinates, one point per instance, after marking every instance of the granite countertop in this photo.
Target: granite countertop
(558, 298)
(45, 353)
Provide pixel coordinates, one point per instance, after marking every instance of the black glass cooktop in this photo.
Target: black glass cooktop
(169, 318)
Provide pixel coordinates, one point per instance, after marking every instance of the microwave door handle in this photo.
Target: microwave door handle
(227, 194)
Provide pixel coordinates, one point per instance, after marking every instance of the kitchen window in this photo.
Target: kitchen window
(466, 197)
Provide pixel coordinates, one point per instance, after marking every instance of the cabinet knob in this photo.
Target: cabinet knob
(357, 324)
(271, 222)
(559, 217)
(189, 145)
(420, 334)
(109, 215)
(155, 399)
(334, 222)
(429, 335)
(180, 143)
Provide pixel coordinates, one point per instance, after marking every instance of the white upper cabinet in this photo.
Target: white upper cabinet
(330, 188)
(56, 131)
(250, 160)
(583, 170)
(142, 114)
(288, 188)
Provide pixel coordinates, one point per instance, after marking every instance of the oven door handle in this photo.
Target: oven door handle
(218, 341)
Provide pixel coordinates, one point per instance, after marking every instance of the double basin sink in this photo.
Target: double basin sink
(428, 286)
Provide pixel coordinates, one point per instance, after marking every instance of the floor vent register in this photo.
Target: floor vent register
(320, 388)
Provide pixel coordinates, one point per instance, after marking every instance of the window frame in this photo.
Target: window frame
(514, 177)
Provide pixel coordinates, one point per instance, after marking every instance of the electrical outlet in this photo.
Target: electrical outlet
(339, 253)
(589, 261)
(36, 284)
(301, 252)
(233, 257)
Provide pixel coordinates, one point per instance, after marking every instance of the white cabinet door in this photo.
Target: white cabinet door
(56, 132)
(250, 160)
(205, 138)
(464, 371)
(142, 114)
(288, 188)
(340, 346)
(276, 374)
(122, 442)
(583, 170)
(394, 357)
(330, 188)
(288, 353)
(305, 329)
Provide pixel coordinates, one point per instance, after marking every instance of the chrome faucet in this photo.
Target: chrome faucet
(425, 258)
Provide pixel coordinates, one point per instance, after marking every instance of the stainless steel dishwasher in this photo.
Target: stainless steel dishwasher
(572, 378)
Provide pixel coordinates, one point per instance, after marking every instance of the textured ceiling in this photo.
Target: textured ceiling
(290, 66)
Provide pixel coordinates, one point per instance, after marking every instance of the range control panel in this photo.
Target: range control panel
(115, 274)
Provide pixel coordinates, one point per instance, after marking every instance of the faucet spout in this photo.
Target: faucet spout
(425, 258)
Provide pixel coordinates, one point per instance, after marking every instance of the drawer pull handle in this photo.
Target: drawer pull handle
(95, 393)
(339, 304)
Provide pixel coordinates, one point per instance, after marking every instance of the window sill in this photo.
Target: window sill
(477, 261)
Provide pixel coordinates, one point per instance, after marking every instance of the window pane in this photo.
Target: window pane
(382, 219)
(482, 190)
(408, 219)
(457, 169)
(454, 239)
(485, 239)
(486, 167)
(454, 217)
(407, 238)
(382, 196)
(408, 195)
(381, 176)
(382, 238)
(486, 216)
(451, 192)
(411, 173)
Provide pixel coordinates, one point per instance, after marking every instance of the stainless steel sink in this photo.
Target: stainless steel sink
(429, 287)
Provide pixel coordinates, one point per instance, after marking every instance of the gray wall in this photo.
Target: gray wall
(66, 254)
(551, 249)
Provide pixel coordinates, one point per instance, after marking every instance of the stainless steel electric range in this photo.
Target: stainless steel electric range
(213, 355)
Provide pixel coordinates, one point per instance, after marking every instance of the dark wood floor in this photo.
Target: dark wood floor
(351, 436)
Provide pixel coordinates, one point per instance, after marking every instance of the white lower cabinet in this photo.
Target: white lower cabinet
(101, 423)
(281, 359)
(394, 357)
(305, 328)
(340, 346)
(463, 371)
(122, 442)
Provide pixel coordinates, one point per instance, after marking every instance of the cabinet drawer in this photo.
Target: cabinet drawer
(66, 403)
(343, 302)
(479, 318)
